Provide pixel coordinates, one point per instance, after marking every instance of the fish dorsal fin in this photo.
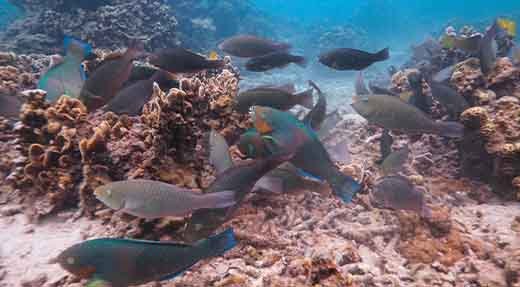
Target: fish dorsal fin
(149, 242)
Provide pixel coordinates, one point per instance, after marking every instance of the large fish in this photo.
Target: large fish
(398, 193)
(352, 59)
(155, 199)
(274, 60)
(240, 178)
(488, 50)
(10, 106)
(394, 114)
(106, 81)
(469, 44)
(454, 103)
(68, 76)
(285, 132)
(247, 46)
(180, 60)
(219, 155)
(395, 161)
(444, 75)
(125, 262)
(275, 97)
(417, 97)
(131, 99)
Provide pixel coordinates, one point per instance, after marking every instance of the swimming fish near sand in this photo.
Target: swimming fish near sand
(394, 114)
(352, 59)
(279, 59)
(154, 199)
(108, 79)
(124, 262)
(248, 46)
(180, 60)
(275, 97)
(67, 76)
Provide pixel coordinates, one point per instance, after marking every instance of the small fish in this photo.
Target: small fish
(395, 161)
(444, 75)
(219, 155)
(507, 25)
(317, 115)
(360, 86)
(454, 103)
(272, 97)
(131, 99)
(240, 178)
(279, 59)
(287, 133)
(394, 114)
(66, 77)
(124, 262)
(352, 59)
(247, 46)
(106, 81)
(488, 50)
(154, 199)
(398, 193)
(385, 144)
(10, 106)
(180, 60)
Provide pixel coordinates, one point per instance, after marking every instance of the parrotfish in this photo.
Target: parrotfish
(219, 155)
(507, 25)
(488, 50)
(252, 145)
(514, 54)
(351, 59)
(247, 46)
(330, 122)
(287, 132)
(317, 115)
(381, 90)
(68, 76)
(180, 60)
(106, 81)
(398, 193)
(469, 44)
(417, 97)
(454, 103)
(275, 97)
(444, 75)
(10, 106)
(240, 178)
(385, 144)
(279, 59)
(394, 114)
(124, 262)
(131, 99)
(360, 86)
(395, 161)
(154, 199)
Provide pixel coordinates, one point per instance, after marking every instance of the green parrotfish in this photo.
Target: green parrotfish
(126, 262)
(67, 77)
(344, 59)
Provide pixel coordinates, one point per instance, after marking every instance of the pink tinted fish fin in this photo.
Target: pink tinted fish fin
(270, 183)
(220, 199)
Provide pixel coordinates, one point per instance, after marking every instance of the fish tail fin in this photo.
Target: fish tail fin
(300, 61)
(270, 183)
(306, 98)
(221, 199)
(345, 187)
(220, 243)
(451, 129)
(76, 48)
(383, 54)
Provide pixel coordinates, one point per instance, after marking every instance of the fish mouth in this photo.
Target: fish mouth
(258, 116)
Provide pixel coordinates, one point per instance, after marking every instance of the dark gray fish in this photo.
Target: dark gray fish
(488, 50)
(418, 98)
(398, 193)
(279, 59)
(317, 115)
(394, 114)
(444, 75)
(360, 86)
(180, 60)
(352, 59)
(247, 46)
(106, 81)
(385, 144)
(10, 106)
(242, 178)
(395, 161)
(131, 99)
(278, 98)
(219, 155)
(381, 91)
(454, 103)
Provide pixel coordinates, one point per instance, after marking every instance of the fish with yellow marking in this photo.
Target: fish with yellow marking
(507, 25)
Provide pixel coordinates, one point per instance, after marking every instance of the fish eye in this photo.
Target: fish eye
(70, 260)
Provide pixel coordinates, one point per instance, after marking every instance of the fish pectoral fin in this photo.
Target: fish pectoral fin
(96, 282)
